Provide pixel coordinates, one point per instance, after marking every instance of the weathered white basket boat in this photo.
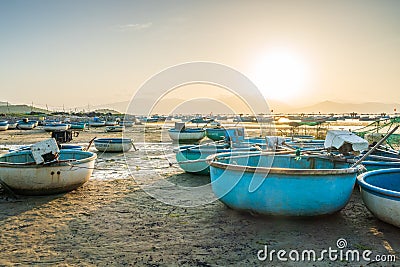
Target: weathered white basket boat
(51, 127)
(26, 125)
(380, 191)
(187, 135)
(19, 171)
(113, 144)
(3, 125)
(114, 129)
(12, 125)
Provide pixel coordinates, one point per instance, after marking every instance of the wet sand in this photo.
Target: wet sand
(113, 222)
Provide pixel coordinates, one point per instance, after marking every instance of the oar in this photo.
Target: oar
(375, 146)
(134, 147)
(90, 144)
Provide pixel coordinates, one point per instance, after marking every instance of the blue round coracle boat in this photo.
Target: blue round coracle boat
(192, 159)
(281, 184)
(380, 191)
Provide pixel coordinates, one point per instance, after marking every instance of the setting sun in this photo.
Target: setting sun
(281, 75)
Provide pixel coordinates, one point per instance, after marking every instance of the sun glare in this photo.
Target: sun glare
(281, 75)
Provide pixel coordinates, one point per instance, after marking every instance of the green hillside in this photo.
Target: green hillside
(19, 109)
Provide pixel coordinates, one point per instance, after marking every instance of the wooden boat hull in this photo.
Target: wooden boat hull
(281, 185)
(32, 179)
(4, 127)
(187, 135)
(380, 191)
(113, 144)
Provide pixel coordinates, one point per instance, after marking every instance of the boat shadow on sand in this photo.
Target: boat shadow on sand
(18, 204)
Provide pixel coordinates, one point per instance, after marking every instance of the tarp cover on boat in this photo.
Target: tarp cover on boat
(337, 138)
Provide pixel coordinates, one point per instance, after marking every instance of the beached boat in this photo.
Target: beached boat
(374, 162)
(277, 184)
(111, 123)
(126, 123)
(97, 122)
(51, 127)
(26, 124)
(192, 158)
(380, 191)
(112, 129)
(3, 125)
(113, 144)
(182, 134)
(187, 134)
(216, 134)
(21, 174)
(78, 125)
(69, 146)
(12, 125)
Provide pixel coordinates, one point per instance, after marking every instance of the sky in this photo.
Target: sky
(79, 52)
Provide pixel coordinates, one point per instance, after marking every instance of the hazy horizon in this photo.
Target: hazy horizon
(75, 54)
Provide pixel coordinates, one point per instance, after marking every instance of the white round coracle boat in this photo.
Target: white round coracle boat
(19, 171)
(113, 144)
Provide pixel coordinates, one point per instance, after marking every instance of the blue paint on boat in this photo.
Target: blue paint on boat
(113, 140)
(198, 154)
(372, 165)
(281, 185)
(67, 146)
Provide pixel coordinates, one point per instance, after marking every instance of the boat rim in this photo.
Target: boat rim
(273, 170)
(361, 180)
(112, 140)
(92, 157)
(186, 130)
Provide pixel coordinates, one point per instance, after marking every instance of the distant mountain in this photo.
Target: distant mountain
(327, 107)
(203, 106)
(19, 109)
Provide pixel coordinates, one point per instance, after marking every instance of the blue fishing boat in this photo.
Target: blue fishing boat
(26, 124)
(192, 158)
(373, 162)
(283, 185)
(380, 191)
(216, 134)
(78, 125)
(69, 146)
(97, 122)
